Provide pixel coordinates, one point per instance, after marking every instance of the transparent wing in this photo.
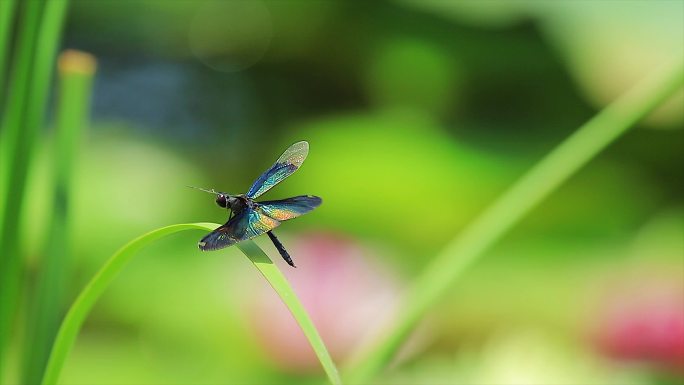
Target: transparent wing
(248, 224)
(285, 166)
(282, 210)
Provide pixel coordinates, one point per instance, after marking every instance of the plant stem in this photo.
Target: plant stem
(6, 12)
(71, 324)
(12, 161)
(549, 173)
(24, 120)
(76, 71)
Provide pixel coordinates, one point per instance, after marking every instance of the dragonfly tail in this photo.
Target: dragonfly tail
(281, 249)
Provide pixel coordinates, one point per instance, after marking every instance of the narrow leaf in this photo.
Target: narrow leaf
(71, 325)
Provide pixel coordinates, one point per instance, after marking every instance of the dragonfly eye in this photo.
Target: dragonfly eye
(221, 200)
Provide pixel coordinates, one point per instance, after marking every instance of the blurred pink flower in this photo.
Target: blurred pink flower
(346, 291)
(643, 321)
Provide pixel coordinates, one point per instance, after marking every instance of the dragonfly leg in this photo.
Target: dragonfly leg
(281, 248)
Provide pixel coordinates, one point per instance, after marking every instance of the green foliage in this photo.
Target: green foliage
(76, 71)
(39, 36)
(428, 95)
(552, 171)
(276, 279)
(6, 13)
(91, 293)
(547, 175)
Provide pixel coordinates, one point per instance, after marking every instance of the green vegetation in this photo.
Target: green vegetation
(90, 294)
(76, 70)
(452, 245)
(547, 175)
(523, 196)
(39, 36)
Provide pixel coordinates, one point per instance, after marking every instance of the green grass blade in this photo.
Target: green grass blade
(279, 283)
(559, 165)
(7, 13)
(93, 290)
(7, 8)
(46, 307)
(13, 165)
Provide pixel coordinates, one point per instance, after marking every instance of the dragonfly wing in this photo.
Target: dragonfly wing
(258, 223)
(282, 210)
(247, 224)
(285, 166)
(223, 236)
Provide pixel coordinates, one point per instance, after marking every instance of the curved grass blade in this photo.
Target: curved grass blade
(547, 175)
(80, 309)
(279, 283)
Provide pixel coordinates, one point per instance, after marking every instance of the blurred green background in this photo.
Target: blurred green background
(418, 114)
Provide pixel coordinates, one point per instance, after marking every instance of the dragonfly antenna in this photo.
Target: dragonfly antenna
(212, 191)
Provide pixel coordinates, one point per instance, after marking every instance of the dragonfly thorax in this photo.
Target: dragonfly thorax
(232, 202)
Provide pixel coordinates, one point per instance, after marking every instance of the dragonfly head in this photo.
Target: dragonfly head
(222, 200)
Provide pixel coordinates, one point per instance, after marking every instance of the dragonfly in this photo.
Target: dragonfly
(249, 219)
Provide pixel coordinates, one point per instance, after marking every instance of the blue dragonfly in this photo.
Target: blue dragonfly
(249, 219)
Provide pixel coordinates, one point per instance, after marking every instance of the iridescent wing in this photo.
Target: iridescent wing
(247, 224)
(282, 210)
(252, 222)
(285, 166)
